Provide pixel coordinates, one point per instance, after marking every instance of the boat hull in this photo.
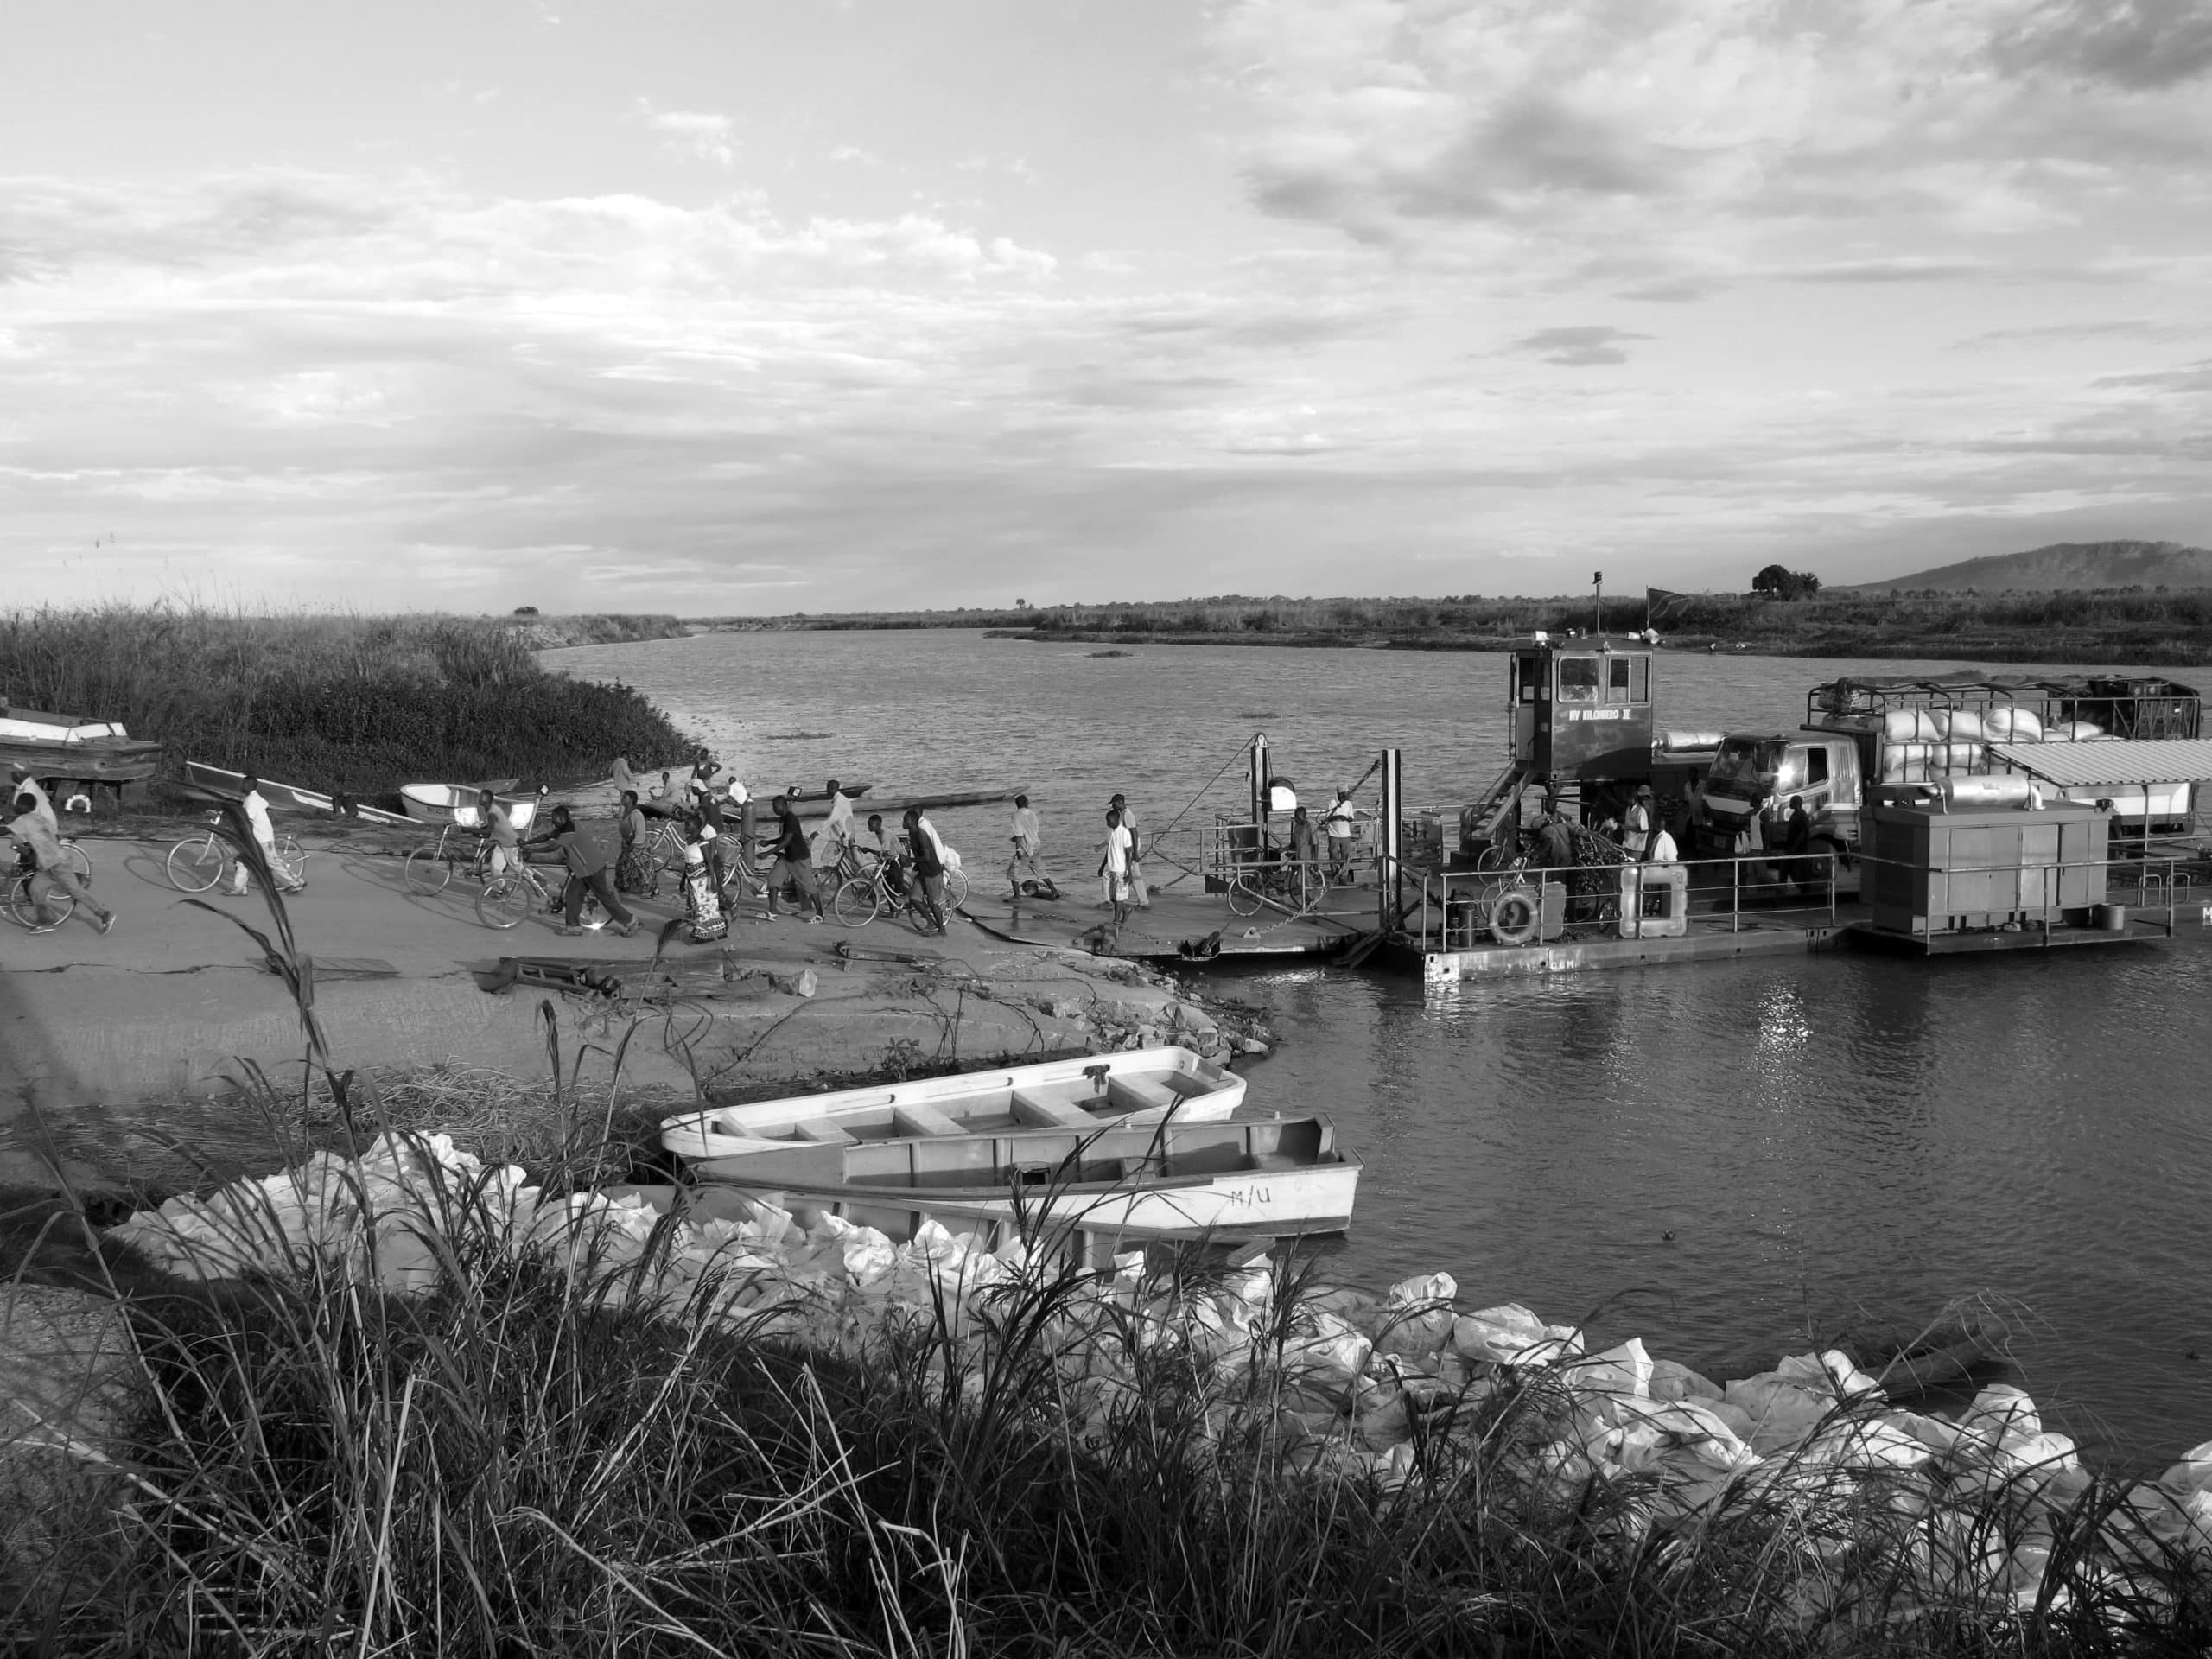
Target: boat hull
(1137, 1086)
(438, 802)
(69, 746)
(223, 781)
(1275, 1203)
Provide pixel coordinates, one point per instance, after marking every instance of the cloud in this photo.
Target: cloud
(699, 135)
(2137, 45)
(1577, 347)
(1546, 136)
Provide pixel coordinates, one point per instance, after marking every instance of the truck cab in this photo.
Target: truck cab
(1756, 774)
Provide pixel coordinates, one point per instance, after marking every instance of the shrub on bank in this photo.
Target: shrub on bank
(355, 703)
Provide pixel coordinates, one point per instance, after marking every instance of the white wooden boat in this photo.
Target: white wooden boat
(305, 800)
(1111, 1188)
(437, 803)
(1139, 1085)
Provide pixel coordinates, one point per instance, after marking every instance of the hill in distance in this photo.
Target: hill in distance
(2063, 566)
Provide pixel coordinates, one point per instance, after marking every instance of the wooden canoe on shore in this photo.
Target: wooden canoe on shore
(1114, 1187)
(73, 747)
(223, 781)
(1137, 1086)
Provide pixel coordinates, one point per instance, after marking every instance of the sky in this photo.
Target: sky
(763, 306)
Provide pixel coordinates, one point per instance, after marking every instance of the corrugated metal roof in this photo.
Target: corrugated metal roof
(2166, 760)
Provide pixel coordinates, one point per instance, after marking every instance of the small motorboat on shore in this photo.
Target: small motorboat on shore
(437, 803)
(1137, 1086)
(73, 748)
(1111, 1188)
(1146, 1145)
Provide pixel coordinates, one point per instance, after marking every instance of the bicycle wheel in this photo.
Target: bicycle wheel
(505, 902)
(429, 870)
(291, 861)
(858, 901)
(955, 889)
(37, 904)
(1245, 898)
(78, 860)
(196, 865)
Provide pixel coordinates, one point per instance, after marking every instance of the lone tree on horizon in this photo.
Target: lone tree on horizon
(1775, 583)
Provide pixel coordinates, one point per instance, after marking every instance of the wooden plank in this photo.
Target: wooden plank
(1040, 1112)
(1138, 1094)
(921, 1118)
(823, 1134)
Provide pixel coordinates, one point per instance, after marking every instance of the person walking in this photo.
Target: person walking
(256, 808)
(1114, 860)
(587, 865)
(35, 829)
(633, 871)
(500, 830)
(23, 784)
(794, 862)
(1140, 895)
(1026, 843)
(837, 829)
(927, 891)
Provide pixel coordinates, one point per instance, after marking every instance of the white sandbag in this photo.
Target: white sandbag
(1512, 1336)
(1623, 1370)
(1672, 1380)
(2000, 1413)
(1960, 725)
(1782, 1413)
(1923, 726)
(1330, 1354)
(1901, 725)
(1963, 757)
(1831, 1370)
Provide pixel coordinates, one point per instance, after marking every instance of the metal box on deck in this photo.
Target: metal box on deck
(1945, 871)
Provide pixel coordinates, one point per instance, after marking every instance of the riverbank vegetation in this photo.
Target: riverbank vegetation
(547, 1458)
(354, 704)
(2114, 624)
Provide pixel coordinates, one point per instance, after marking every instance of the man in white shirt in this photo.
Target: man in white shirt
(1662, 850)
(257, 818)
(1114, 867)
(1339, 823)
(1139, 896)
(837, 833)
(1026, 843)
(1636, 828)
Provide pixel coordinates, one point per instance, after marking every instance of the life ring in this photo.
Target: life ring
(1514, 916)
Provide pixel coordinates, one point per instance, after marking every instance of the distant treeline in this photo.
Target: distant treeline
(551, 632)
(358, 703)
(2120, 623)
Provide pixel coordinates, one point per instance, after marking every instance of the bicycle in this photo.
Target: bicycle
(1297, 887)
(863, 896)
(430, 870)
(35, 902)
(513, 893)
(196, 863)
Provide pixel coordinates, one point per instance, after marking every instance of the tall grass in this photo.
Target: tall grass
(354, 704)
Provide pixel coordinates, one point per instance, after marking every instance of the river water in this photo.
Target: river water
(1728, 1159)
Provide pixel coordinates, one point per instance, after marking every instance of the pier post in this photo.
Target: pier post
(1259, 778)
(1386, 860)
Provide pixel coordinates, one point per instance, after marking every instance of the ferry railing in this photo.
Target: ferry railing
(1757, 888)
(1229, 847)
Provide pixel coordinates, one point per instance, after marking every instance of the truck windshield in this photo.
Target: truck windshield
(1746, 760)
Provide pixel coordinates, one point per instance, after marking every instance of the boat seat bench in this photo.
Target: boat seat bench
(1042, 1112)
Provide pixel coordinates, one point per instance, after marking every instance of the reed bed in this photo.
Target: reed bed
(353, 703)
